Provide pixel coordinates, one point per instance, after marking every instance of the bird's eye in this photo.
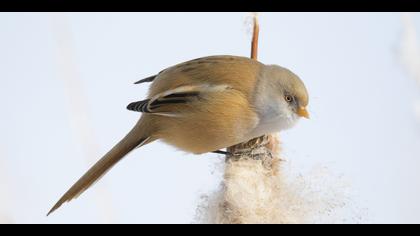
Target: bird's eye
(288, 98)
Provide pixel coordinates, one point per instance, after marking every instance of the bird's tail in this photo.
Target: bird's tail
(137, 137)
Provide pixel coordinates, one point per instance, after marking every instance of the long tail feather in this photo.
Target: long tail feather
(135, 138)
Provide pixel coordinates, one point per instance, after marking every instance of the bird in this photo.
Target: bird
(204, 105)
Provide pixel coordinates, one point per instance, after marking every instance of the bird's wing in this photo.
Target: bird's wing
(174, 101)
(239, 73)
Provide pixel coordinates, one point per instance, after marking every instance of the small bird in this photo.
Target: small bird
(204, 105)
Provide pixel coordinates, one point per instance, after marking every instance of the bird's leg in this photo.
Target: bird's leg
(222, 152)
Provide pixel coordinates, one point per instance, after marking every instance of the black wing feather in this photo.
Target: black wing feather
(148, 79)
(140, 106)
(148, 105)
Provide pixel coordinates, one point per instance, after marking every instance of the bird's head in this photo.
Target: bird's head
(284, 97)
(293, 90)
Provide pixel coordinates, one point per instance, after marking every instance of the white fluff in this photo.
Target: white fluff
(252, 194)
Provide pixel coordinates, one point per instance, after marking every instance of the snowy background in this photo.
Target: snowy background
(66, 78)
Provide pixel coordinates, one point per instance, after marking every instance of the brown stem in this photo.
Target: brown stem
(254, 43)
(268, 141)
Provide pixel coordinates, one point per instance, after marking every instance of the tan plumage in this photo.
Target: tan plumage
(204, 105)
(231, 78)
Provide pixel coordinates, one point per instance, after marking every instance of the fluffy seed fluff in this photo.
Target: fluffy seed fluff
(253, 192)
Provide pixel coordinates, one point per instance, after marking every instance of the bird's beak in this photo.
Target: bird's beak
(302, 112)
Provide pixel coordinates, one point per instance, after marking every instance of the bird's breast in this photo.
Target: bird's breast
(272, 119)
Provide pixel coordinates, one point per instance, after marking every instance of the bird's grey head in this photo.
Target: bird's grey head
(282, 99)
(292, 88)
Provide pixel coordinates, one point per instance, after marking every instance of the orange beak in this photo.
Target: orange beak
(302, 112)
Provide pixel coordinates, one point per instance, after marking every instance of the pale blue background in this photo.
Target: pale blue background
(363, 125)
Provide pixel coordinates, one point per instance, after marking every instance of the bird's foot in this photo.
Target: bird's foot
(222, 152)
